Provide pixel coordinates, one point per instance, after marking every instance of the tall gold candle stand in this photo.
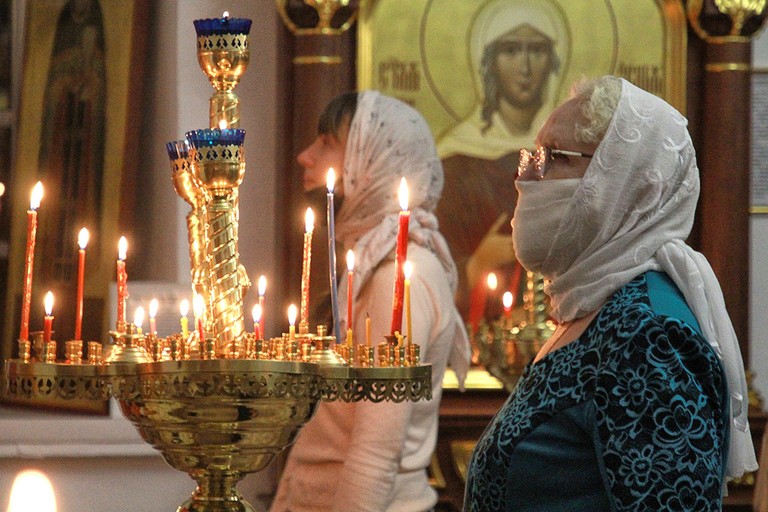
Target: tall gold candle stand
(220, 403)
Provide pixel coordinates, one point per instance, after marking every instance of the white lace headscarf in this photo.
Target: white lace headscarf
(389, 140)
(631, 213)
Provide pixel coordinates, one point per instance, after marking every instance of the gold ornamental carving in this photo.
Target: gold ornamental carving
(334, 16)
(708, 19)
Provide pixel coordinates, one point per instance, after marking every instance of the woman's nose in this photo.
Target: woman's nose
(306, 158)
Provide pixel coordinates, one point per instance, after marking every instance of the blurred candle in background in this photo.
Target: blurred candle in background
(82, 242)
(506, 301)
(32, 491)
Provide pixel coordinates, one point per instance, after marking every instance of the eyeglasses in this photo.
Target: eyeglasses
(542, 157)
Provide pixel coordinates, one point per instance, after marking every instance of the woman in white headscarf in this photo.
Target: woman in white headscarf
(363, 456)
(517, 50)
(638, 401)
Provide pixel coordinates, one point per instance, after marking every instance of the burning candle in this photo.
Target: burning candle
(153, 306)
(292, 322)
(138, 319)
(122, 282)
(492, 281)
(367, 330)
(256, 319)
(183, 310)
(350, 274)
(407, 271)
(199, 306)
(400, 256)
(262, 290)
(29, 258)
(506, 301)
(306, 263)
(82, 242)
(331, 180)
(48, 320)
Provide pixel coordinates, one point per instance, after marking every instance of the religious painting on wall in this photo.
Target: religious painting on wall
(486, 74)
(76, 120)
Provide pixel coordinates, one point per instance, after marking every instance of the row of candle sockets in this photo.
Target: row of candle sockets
(177, 348)
(401, 299)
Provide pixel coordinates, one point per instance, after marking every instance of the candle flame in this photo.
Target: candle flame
(225, 15)
(37, 196)
(82, 238)
(122, 248)
(198, 304)
(309, 220)
(32, 490)
(153, 307)
(184, 307)
(262, 285)
(506, 300)
(292, 314)
(331, 180)
(223, 124)
(402, 194)
(48, 302)
(138, 317)
(493, 281)
(350, 260)
(256, 313)
(407, 269)
(2, 189)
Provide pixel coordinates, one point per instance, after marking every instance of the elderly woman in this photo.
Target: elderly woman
(373, 457)
(638, 400)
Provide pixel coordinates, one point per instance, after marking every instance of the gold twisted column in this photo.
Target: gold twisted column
(226, 298)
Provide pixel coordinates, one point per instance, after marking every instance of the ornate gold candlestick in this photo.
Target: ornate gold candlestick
(222, 52)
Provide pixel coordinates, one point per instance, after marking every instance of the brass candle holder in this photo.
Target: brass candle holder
(505, 348)
(222, 406)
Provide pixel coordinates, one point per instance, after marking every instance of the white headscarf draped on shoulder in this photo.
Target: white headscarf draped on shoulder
(632, 213)
(389, 140)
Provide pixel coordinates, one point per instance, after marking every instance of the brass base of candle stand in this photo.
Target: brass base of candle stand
(217, 420)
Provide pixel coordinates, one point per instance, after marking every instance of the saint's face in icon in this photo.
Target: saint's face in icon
(524, 60)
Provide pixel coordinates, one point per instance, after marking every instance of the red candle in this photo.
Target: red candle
(153, 307)
(400, 256)
(199, 305)
(256, 318)
(122, 282)
(29, 258)
(48, 321)
(82, 242)
(506, 300)
(262, 291)
(407, 271)
(350, 273)
(306, 263)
